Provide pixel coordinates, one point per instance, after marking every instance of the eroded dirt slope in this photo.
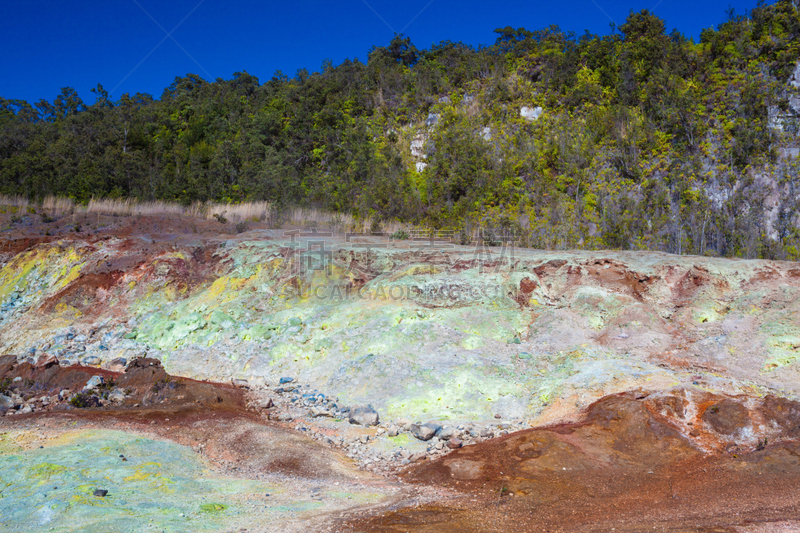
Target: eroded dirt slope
(679, 461)
(661, 389)
(420, 330)
(172, 454)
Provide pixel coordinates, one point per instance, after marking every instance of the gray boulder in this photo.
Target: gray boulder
(117, 396)
(94, 382)
(417, 457)
(319, 411)
(116, 365)
(454, 443)
(424, 431)
(266, 404)
(91, 360)
(446, 433)
(6, 403)
(364, 416)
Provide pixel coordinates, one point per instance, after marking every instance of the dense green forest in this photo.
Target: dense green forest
(646, 139)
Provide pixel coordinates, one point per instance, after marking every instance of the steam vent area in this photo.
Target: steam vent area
(169, 373)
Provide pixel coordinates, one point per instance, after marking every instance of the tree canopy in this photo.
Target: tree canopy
(647, 140)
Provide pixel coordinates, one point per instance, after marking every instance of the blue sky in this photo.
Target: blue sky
(124, 44)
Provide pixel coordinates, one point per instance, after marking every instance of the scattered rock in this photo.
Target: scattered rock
(318, 411)
(94, 382)
(116, 365)
(91, 360)
(364, 416)
(446, 433)
(6, 403)
(117, 396)
(454, 443)
(423, 431)
(266, 404)
(417, 457)
(47, 361)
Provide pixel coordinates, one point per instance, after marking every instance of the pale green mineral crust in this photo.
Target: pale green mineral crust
(445, 334)
(160, 486)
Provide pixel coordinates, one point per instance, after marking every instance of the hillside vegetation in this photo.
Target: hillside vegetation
(639, 139)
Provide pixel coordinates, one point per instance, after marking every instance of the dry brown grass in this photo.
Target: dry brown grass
(14, 204)
(252, 211)
(59, 206)
(317, 218)
(337, 222)
(296, 217)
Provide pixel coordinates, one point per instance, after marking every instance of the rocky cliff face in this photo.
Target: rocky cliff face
(418, 329)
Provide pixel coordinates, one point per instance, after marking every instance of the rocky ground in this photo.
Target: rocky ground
(634, 462)
(483, 388)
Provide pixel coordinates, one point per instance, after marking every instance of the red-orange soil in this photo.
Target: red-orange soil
(626, 466)
(209, 417)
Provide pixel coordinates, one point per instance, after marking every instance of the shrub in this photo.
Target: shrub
(162, 384)
(82, 400)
